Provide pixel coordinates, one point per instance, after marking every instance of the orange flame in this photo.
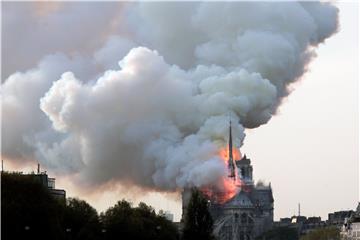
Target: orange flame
(224, 154)
(227, 187)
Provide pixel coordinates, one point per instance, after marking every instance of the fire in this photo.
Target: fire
(224, 154)
(227, 187)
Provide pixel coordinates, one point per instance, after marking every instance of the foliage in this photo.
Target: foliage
(329, 233)
(280, 233)
(81, 220)
(136, 223)
(30, 212)
(198, 221)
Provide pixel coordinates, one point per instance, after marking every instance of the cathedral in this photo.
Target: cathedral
(249, 213)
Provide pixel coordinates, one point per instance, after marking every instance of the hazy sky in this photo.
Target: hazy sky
(308, 151)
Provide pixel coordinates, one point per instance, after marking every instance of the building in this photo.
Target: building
(351, 227)
(47, 182)
(249, 213)
(301, 224)
(312, 223)
(338, 218)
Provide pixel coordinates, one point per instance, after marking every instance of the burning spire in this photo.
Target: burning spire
(231, 165)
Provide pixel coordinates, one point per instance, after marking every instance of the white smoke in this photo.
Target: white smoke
(158, 119)
(35, 29)
(23, 122)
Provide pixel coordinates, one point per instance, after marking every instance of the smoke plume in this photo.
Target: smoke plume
(159, 114)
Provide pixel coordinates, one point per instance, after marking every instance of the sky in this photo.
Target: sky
(308, 150)
(319, 166)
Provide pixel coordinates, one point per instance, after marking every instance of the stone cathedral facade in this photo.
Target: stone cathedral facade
(249, 213)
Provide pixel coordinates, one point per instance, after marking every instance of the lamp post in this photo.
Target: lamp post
(27, 231)
(68, 232)
(103, 233)
(158, 230)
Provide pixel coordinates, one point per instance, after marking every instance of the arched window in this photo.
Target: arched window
(243, 218)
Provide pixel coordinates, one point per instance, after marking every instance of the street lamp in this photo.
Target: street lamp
(68, 231)
(103, 233)
(27, 230)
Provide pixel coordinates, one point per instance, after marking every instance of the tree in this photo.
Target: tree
(136, 223)
(280, 233)
(328, 233)
(81, 220)
(198, 221)
(116, 220)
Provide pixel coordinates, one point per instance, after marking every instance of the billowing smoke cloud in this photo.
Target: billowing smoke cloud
(159, 117)
(35, 29)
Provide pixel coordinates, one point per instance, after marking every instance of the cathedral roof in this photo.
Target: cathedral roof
(240, 200)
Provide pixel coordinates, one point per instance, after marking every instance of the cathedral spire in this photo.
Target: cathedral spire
(231, 165)
(230, 142)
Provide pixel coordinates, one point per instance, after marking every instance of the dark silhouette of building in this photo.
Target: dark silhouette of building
(47, 182)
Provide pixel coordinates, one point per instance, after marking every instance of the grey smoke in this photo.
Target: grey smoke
(33, 30)
(158, 118)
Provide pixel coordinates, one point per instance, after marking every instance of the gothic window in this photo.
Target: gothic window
(243, 172)
(243, 218)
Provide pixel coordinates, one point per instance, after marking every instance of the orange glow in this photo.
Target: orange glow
(224, 154)
(227, 187)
